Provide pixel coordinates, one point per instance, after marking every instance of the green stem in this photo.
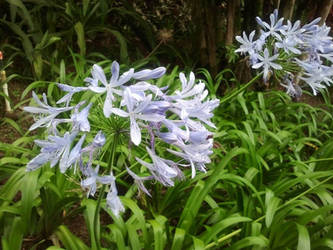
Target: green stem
(318, 160)
(237, 91)
(153, 51)
(100, 196)
(228, 236)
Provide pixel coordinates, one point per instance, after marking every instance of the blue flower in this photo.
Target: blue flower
(92, 178)
(196, 154)
(57, 149)
(139, 181)
(247, 43)
(47, 112)
(275, 27)
(112, 199)
(80, 119)
(288, 45)
(161, 169)
(71, 91)
(134, 112)
(109, 87)
(266, 62)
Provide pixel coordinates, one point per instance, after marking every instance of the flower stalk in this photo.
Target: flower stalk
(3, 78)
(101, 194)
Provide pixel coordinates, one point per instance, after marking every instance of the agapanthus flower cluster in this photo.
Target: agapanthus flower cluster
(297, 54)
(179, 119)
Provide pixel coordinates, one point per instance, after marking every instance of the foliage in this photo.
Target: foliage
(271, 170)
(269, 183)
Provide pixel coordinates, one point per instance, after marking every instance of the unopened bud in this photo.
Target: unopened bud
(1, 55)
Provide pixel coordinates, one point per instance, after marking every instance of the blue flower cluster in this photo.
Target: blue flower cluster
(295, 52)
(179, 118)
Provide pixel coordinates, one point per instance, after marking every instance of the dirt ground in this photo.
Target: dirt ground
(8, 134)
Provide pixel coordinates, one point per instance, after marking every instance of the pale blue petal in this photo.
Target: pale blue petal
(98, 90)
(119, 112)
(107, 109)
(114, 72)
(149, 74)
(135, 132)
(114, 203)
(87, 182)
(75, 153)
(44, 121)
(38, 161)
(151, 117)
(107, 179)
(35, 110)
(98, 73)
(125, 77)
(65, 98)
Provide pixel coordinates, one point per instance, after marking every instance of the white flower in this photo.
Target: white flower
(80, 119)
(275, 27)
(134, 112)
(267, 63)
(196, 154)
(71, 91)
(93, 177)
(57, 149)
(162, 170)
(47, 112)
(288, 45)
(112, 199)
(247, 44)
(109, 87)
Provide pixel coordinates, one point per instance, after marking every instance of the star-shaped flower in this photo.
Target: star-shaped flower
(109, 87)
(267, 63)
(134, 112)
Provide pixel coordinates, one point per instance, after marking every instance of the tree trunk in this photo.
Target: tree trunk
(323, 10)
(230, 22)
(249, 15)
(210, 17)
(288, 7)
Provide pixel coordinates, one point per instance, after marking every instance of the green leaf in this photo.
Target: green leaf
(26, 43)
(133, 236)
(178, 238)
(54, 248)
(198, 244)
(138, 213)
(272, 204)
(202, 188)
(257, 241)
(13, 185)
(14, 124)
(85, 6)
(221, 225)
(69, 240)
(62, 73)
(79, 29)
(118, 237)
(26, 15)
(29, 191)
(159, 238)
(319, 244)
(89, 215)
(303, 238)
(33, 86)
(14, 237)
